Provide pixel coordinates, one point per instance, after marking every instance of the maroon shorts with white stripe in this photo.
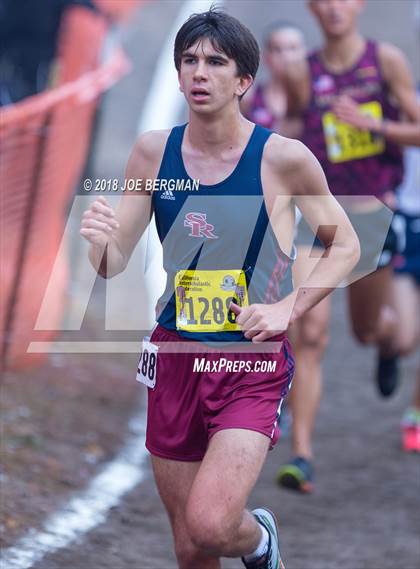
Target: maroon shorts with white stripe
(198, 394)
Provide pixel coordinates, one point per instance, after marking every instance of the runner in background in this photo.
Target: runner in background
(407, 286)
(350, 94)
(407, 279)
(266, 103)
(407, 282)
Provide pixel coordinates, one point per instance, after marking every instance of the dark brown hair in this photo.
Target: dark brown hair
(226, 34)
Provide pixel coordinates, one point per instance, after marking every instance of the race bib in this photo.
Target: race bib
(146, 369)
(203, 299)
(344, 142)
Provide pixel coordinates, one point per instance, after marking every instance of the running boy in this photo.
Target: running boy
(227, 253)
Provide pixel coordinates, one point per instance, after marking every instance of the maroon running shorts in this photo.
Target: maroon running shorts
(197, 394)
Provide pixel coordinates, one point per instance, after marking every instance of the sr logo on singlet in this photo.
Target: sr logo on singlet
(199, 227)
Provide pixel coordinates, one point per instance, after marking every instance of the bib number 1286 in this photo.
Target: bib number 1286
(147, 366)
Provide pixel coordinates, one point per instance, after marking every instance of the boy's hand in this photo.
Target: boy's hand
(262, 321)
(346, 110)
(98, 223)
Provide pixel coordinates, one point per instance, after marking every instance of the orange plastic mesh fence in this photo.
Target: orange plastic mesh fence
(44, 141)
(82, 34)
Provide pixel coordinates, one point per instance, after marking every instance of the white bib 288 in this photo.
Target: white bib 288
(146, 369)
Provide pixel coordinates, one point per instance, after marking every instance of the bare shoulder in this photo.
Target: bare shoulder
(294, 166)
(147, 154)
(390, 52)
(285, 155)
(391, 58)
(150, 145)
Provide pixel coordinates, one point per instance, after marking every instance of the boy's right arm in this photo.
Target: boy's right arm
(113, 235)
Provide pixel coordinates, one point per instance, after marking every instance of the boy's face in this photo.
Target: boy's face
(285, 46)
(209, 78)
(336, 17)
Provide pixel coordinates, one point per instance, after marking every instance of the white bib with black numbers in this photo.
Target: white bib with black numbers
(147, 366)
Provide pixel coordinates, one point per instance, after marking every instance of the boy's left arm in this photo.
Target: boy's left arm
(398, 76)
(308, 186)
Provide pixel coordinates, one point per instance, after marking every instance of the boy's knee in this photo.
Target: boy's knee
(406, 346)
(314, 337)
(209, 532)
(364, 335)
(187, 553)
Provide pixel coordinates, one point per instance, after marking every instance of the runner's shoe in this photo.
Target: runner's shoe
(297, 475)
(271, 559)
(410, 431)
(387, 374)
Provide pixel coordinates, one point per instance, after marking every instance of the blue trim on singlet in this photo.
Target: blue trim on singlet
(245, 180)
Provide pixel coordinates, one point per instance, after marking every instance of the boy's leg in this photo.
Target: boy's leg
(216, 518)
(309, 337)
(371, 308)
(309, 342)
(407, 305)
(174, 480)
(374, 319)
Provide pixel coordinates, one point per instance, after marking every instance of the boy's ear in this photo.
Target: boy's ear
(245, 83)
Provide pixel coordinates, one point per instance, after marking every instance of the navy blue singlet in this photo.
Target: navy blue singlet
(222, 230)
